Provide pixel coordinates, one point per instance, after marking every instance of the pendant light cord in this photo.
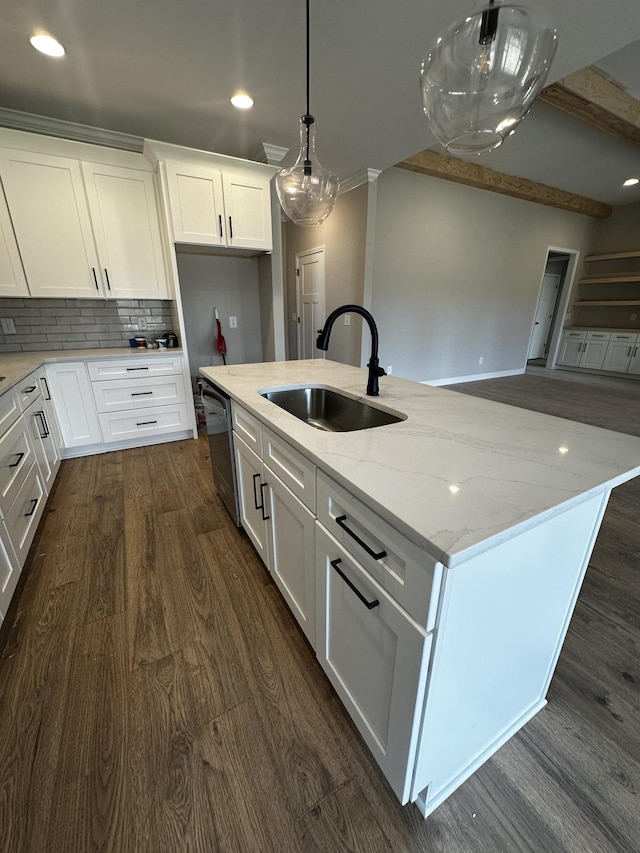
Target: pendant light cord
(307, 59)
(307, 118)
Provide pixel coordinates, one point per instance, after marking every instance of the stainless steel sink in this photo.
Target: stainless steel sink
(329, 410)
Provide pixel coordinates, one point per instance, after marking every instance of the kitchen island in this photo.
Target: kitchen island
(487, 515)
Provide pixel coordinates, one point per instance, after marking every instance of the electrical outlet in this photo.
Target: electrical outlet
(389, 370)
(8, 326)
(634, 316)
(233, 322)
(481, 360)
(142, 322)
(347, 319)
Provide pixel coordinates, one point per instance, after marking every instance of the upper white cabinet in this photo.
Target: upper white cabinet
(12, 280)
(218, 208)
(83, 229)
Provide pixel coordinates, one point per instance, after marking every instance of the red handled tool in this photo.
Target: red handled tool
(222, 344)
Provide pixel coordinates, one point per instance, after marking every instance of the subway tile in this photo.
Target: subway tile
(83, 345)
(46, 303)
(124, 313)
(28, 339)
(89, 327)
(104, 336)
(50, 345)
(23, 312)
(153, 303)
(122, 327)
(97, 312)
(140, 312)
(79, 320)
(10, 303)
(54, 331)
(66, 312)
(67, 337)
(9, 348)
(111, 344)
(86, 303)
(20, 322)
(126, 303)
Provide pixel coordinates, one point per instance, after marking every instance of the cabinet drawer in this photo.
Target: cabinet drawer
(23, 517)
(117, 395)
(624, 337)
(16, 459)
(598, 336)
(27, 391)
(247, 427)
(290, 466)
(9, 409)
(407, 572)
(573, 336)
(158, 420)
(136, 367)
(9, 570)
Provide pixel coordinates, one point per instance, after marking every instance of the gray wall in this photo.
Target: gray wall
(619, 233)
(343, 236)
(457, 272)
(231, 286)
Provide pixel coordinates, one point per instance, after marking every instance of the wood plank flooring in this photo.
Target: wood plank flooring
(156, 694)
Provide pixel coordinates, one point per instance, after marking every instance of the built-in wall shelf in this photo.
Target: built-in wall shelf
(615, 256)
(606, 279)
(592, 302)
(609, 295)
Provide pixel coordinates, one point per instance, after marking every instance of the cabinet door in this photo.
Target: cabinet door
(9, 571)
(12, 280)
(42, 438)
(251, 494)
(73, 402)
(49, 211)
(196, 202)
(247, 204)
(593, 354)
(618, 356)
(292, 553)
(122, 204)
(376, 658)
(634, 363)
(571, 351)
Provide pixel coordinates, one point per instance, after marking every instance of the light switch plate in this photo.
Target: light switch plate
(8, 326)
(233, 322)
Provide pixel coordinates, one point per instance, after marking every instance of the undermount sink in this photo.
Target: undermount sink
(329, 410)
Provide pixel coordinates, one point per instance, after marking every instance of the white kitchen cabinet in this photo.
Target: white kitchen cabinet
(634, 362)
(46, 199)
(571, 348)
(619, 352)
(74, 404)
(122, 206)
(375, 656)
(9, 571)
(214, 208)
(17, 458)
(44, 442)
(594, 349)
(83, 229)
(12, 278)
(251, 488)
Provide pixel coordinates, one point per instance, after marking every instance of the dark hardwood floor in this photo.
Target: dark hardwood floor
(156, 694)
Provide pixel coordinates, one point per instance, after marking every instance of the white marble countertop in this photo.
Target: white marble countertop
(460, 474)
(14, 366)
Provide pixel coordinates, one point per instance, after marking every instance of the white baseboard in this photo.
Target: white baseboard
(474, 377)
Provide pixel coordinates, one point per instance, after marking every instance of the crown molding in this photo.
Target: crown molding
(17, 120)
(271, 154)
(366, 176)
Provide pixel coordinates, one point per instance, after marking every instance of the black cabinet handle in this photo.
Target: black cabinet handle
(141, 393)
(43, 422)
(255, 496)
(29, 390)
(46, 385)
(34, 504)
(220, 225)
(95, 277)
(106, 275)
(137, 368)
(264, 517)
(368, 604)
(635, 350)
(230, 228)
(340, 520)
(146, 423)
(18, 460)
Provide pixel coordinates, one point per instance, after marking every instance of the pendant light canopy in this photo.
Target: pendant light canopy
(307, 191)
(482, 75)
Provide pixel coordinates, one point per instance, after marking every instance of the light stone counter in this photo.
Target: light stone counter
(14, 366)
(460, 474)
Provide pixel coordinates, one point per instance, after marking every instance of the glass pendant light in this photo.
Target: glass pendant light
(307, 191)
(482, 75)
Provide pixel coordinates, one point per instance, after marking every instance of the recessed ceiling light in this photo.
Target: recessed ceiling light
(631, 182)
(47, 44)
(242, 101)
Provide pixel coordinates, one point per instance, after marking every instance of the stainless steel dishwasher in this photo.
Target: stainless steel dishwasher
(217, 409)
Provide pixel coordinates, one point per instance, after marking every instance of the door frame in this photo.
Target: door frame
(559, 279)
(562, 302)
(298, 278)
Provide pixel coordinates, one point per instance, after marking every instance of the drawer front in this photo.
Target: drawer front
(598, 336)
(136, 366)
(28, 390)
(23, 517)
(624, 337)
(247, 427)
(117, 395)
(290, 466)
(9, 570)
(122, 426)
(9, 410)
(17, 457)
(407, 572)
(574, 336)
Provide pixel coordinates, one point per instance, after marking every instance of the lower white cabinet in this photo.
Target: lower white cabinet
(249, 472)
(44, 440)
(144, 423)
(74, 405)
(9, 571)
(583, 349)
(571, 348)
(375, 656)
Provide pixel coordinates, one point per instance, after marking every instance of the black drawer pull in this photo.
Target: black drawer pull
(146, 423)
(137, 368)
(141, 393)
(46, 385)
(264, 517)
(255, 494)
(34, 504)
(18, 460)
(43, 423)
(368, 604)
(340, 520)
(29, 390)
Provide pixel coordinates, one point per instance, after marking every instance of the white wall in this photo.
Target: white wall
(457, 272)
(232, 286)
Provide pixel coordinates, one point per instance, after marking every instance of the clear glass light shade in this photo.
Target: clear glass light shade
(306, 190)
(482, 75)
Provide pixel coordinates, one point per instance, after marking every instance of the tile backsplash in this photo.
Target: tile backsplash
(60, 324)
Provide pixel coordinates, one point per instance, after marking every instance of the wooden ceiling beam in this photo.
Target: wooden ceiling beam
(462, 172)
(588, 95)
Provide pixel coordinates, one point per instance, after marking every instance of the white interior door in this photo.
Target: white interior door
(310, 301)
(544, 314)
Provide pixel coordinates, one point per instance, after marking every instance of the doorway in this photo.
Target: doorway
(553, 299)
(310, 286)
(544, 315)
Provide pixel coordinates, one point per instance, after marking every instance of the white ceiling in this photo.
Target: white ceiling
(164, 69)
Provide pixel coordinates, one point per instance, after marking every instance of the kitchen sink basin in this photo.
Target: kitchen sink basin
(329, 410)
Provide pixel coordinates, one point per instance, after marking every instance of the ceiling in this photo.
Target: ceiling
(165, 70)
